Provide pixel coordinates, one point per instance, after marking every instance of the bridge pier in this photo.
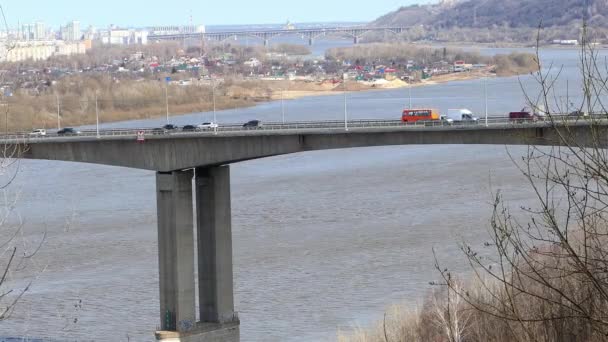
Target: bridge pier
(217, 319)
(356, 40)
(214, 228)
(311, 41)
(175, 250)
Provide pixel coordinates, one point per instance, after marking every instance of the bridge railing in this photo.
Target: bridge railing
(332, 125)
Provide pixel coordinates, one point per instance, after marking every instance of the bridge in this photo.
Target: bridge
(184, 161)
(265, 35)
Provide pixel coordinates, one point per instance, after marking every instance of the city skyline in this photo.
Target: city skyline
(149, 13)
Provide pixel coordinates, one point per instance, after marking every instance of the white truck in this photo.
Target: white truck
(461, 115)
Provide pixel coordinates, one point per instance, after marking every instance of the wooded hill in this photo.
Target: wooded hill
(499, 13)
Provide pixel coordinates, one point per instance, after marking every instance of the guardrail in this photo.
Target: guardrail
(298, 125)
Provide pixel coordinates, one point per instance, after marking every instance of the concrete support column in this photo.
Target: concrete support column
(176, 250)
(356, 40)
(311, 41)
(216, 298)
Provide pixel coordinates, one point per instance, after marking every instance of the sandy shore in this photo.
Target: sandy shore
(290, 90)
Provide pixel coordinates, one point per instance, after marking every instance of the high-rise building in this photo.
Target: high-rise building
(39, 31)
(75, 27)
(71, 31)
(27, 32)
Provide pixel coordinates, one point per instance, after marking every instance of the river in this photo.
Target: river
(323, 241)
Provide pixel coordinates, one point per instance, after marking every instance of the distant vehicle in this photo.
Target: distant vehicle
(169, 127)
(188, 128)
(523, 116)
(207, 125)
(252, 124)
(578, 113)
(413, 115)
(38, 132)
(68, 131)
(158, 131)
(461, 115)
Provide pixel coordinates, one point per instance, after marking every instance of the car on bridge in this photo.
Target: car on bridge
(189, 128)
(170, 127)
(38, 132)
(207, 125)
(68, 131)
(252, 124)
(578, 114)
(166, 129)
(523, 116)
(462, 115)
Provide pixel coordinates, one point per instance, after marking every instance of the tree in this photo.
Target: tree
(16, 251)
(546, 278)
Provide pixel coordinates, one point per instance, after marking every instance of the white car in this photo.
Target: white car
(207, 125)
(38, 132)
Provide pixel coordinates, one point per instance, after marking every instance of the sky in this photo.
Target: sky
(141, 13)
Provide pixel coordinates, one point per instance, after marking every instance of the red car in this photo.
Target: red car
(523, 116)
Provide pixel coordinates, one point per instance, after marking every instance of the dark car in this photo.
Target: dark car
(189, 128)
(252, 124)
(523, 116)
(169, 127)
(577, 113)
(158, 131)
(67, 131)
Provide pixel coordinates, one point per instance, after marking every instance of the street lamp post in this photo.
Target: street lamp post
(5, 104)
(58, 112)
(167, 100)
(214, 111)
(97, 114)
(409, 90)
(485, 92)
(344, 76)
(282, 107)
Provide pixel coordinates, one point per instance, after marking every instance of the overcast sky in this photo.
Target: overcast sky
(102, 13)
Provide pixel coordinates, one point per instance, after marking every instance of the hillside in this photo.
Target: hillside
(499, 13)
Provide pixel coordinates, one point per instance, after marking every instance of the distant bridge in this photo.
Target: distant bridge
(265, 35)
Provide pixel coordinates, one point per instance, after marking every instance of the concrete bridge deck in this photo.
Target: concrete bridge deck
(185, 150)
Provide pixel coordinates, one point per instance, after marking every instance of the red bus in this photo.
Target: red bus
(413, 115)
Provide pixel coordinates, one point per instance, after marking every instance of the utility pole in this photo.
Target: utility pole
(409, 89)
(567, 96)
(485, 92)
(97, 114)
(282, 108)
(214, 109)
(6, 117)
(167, 100)
(345, 111)
(58, 112)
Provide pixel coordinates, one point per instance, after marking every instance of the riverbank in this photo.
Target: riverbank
(146, 100)
(291, 90)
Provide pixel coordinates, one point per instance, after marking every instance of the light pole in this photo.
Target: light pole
(167, 100)
(97, 114)
(344, 76)
(567, 96)
(58, 111)
(409, 90)
(282, 108)
(485, 93)
(214, 109)
(5, 104)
